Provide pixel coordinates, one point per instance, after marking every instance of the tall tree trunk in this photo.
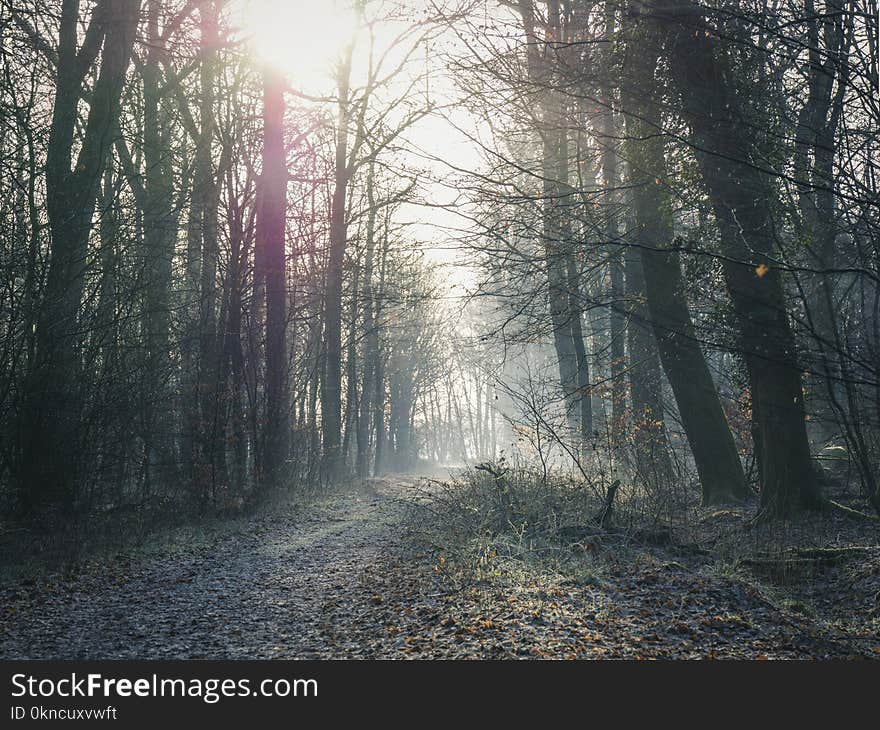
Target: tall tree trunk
(815, 136)
(379, 388)
(160, 231)
(207, 189)
(331, 395)
(649, 429)
(351, 389)
(371, 335)
(575, 306)
(608, 141)
(741, 196)
(270, 242)
(232, 375)
(107, 318)
(699, 405)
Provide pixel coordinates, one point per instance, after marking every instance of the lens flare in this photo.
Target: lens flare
(302, 38)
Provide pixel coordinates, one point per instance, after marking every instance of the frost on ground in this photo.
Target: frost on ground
(344, 579)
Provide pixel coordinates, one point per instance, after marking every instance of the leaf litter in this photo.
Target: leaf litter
(346, 580)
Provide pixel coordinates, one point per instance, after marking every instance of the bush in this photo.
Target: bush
(496, 511)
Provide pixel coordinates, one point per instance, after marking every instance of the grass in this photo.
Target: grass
(509, 526)
(504, 518)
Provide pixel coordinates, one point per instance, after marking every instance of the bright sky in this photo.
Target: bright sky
(305, 38)
(301, 37)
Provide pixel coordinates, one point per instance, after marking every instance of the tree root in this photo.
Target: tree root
(765, 515)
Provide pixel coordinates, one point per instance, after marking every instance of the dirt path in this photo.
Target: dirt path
(337, 581)
(267, 590)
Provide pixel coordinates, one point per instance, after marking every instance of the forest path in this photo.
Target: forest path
(271, 588)
(337, 580)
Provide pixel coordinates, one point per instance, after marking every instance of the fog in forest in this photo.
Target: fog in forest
(568, 294)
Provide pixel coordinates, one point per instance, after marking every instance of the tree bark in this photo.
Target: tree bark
(702, 415)
(270, 242)
(371, 335)
(351, 389)
(607, 138)
(207, 189)
(741, 196)
(331, 394)
(160, 231)
(649, 430)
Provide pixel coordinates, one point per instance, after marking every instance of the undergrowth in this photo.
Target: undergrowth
(510, 525)
(500, 518)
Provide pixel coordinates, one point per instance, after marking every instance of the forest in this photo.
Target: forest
(439, 329)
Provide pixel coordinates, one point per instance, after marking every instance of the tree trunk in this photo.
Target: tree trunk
(741, 196)
(379, 387)
(351, 389)
(649, 430)
(160, 231)
(615, 254)
(233, 354)
(270, 242)
(331, 395)
(709, 436)
(207, 190)
(371, 335)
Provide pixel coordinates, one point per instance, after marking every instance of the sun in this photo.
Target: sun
(301, 38)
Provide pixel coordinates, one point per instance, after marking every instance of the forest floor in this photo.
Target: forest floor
(343, 578)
